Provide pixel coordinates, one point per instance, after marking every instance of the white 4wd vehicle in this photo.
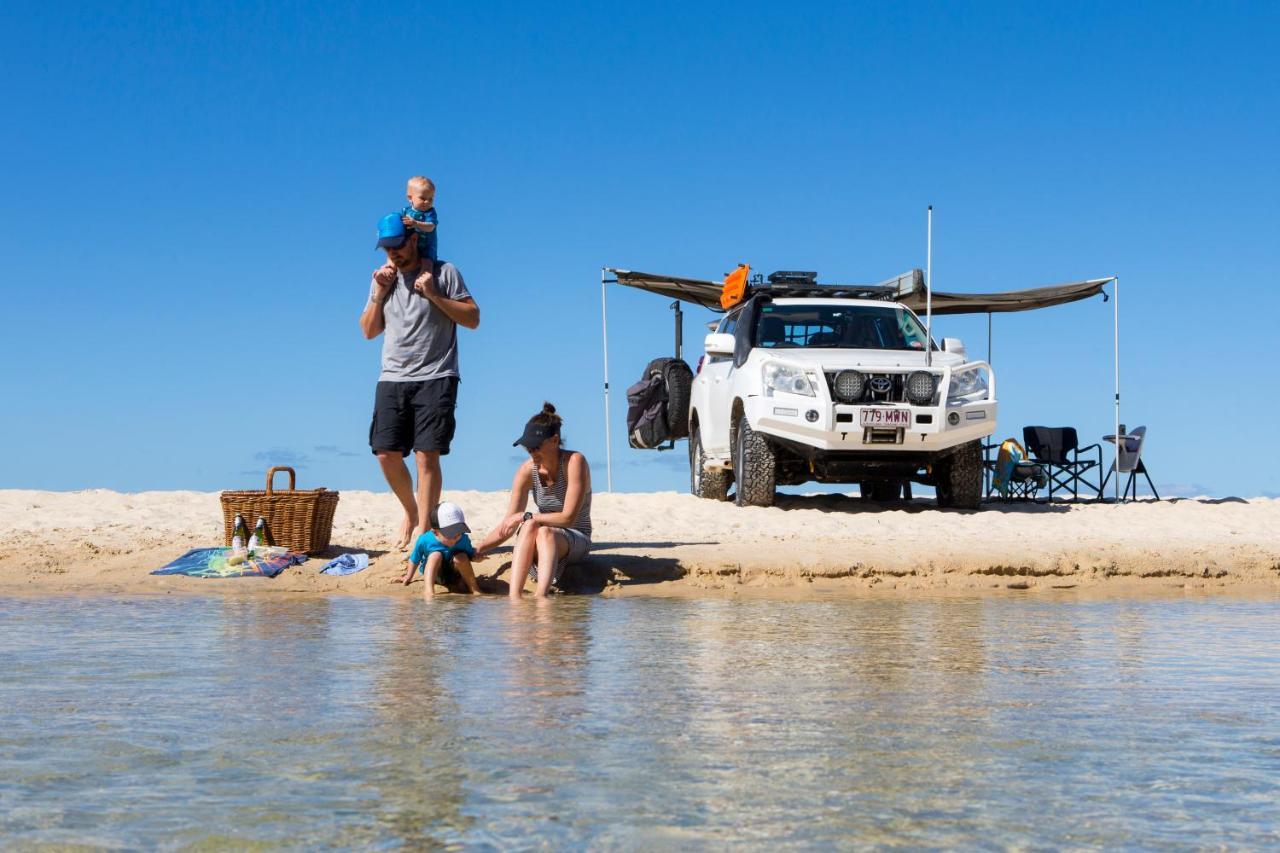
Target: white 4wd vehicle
(838, 390)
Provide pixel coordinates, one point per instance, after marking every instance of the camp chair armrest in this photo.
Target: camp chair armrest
(1097, 447)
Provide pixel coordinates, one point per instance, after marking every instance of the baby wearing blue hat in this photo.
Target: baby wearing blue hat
(444, 552)
(419, 216)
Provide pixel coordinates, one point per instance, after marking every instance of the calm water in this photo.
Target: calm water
(635, 723)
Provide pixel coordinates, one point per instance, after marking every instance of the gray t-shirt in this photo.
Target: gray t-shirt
(419, 341)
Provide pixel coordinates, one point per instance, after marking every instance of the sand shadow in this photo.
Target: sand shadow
(597, 572)
(338, 550)
(858, 505)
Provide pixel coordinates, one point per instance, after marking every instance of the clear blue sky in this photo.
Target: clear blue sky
(190, 193)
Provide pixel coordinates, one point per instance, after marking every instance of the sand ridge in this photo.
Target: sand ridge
(675, 544)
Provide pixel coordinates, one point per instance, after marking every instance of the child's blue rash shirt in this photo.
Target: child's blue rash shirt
(426, 239)
(428, 543)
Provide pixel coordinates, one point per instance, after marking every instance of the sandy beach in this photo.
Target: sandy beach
(100, 541)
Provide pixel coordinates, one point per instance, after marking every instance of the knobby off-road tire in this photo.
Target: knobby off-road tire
(677, 381)
(958, 478)
(755, 468)
(679, 378)
(712, 485)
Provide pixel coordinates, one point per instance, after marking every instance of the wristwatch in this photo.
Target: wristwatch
(528, 516)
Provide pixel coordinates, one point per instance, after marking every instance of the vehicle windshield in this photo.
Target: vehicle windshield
(838, 327)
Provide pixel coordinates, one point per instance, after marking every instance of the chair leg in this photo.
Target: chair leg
(1131, 487)
(1151, 484)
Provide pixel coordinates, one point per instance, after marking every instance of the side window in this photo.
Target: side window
(729, 323)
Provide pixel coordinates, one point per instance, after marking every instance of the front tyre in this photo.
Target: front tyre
(958, 478)
(712, 485)
(755, 468)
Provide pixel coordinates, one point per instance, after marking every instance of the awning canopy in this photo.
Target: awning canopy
(907, 288)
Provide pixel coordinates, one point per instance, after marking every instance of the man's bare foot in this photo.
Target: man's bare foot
(406, 537)
(413, 538)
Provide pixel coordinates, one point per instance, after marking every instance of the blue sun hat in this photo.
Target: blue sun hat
(391, 232)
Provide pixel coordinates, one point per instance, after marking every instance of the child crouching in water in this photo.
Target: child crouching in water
(444, 552)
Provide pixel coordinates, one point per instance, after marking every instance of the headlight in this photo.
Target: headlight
(920, 387)
(849, 385)
(786, 379)
(968, 385)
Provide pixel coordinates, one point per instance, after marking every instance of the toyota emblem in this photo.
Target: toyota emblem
(881, 384)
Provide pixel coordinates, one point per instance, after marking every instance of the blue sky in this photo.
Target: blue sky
(191, 192)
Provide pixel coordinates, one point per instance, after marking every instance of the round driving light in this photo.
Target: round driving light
(920, 388)
(849, 386)
(953, 418)
(811, 416)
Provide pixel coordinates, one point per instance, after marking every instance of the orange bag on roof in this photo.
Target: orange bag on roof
(735, 287)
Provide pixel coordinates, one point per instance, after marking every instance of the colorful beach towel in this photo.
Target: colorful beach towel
(212, 563)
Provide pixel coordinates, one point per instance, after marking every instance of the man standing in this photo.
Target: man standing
(413, 408)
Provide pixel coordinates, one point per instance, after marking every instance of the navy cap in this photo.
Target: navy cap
(534, 434)
(391, 232)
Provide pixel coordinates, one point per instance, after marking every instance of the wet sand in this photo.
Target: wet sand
(676, 545)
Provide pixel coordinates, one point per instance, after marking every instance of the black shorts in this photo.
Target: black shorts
(410, 416)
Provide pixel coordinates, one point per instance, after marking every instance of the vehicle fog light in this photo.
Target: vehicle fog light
(811, 416)
(849, 386)
(953, 418)
(920, 387)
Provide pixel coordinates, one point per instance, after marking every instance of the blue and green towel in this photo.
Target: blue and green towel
(212, 563)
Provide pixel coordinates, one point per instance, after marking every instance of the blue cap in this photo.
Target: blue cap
(391, 232)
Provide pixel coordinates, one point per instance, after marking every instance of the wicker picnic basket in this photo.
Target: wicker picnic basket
(298, 519)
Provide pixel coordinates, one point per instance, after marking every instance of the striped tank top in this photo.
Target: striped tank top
(551, 498)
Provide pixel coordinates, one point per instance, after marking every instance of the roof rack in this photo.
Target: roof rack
(828, 291)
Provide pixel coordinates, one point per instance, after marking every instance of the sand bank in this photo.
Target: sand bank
(674, 544)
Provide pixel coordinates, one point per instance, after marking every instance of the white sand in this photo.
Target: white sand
(673, 544)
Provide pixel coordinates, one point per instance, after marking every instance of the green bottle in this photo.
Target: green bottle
(239, 535)
(259, 537)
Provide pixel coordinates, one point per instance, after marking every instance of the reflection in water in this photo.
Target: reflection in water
(637, 723)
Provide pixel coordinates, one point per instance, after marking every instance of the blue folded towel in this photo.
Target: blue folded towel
(347, 564)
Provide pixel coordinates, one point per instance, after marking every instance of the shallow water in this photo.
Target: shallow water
(638, 722)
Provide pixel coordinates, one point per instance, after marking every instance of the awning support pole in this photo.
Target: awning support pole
(675, 306)
(604, 327)
(928, 291)
(988, 337)
(1116, 330)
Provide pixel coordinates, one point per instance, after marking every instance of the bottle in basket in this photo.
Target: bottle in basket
(258, 539)
(239, 535)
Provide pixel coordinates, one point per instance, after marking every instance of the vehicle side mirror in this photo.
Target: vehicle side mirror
(954, 345)
(719, 344)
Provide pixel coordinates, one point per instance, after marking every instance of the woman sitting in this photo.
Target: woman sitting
(559, 533)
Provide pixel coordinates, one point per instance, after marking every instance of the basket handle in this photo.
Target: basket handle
(271, 475)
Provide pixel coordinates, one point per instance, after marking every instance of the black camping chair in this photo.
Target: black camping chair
(1027, 480)
(1059, 453)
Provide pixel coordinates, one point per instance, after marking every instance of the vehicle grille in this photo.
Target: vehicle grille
(895, 393)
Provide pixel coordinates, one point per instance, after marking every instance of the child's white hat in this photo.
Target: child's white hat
(450, 521)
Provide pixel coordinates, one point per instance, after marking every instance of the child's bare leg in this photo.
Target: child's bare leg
(550, 548)
(434, 561)
(462, 563)
(522, 557)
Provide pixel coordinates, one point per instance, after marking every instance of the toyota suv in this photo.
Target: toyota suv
(809, 386)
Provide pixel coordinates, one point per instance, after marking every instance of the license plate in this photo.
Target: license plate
(886, 417)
